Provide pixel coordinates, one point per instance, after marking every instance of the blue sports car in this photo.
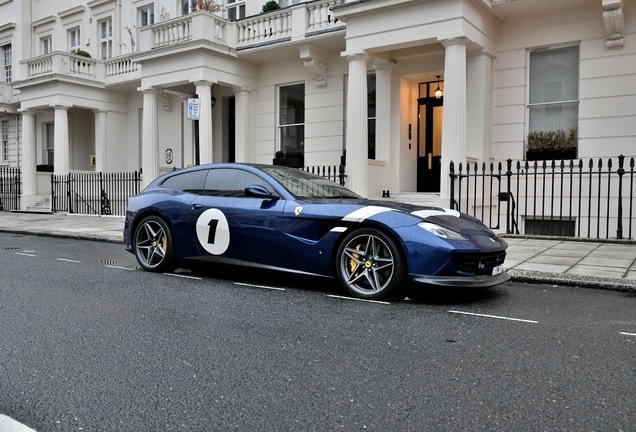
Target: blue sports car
(286, 219)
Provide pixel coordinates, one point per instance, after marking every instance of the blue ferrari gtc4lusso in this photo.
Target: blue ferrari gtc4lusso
(286, 219)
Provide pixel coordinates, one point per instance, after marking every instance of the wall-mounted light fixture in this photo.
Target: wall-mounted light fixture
(213, 98)
(438, 90)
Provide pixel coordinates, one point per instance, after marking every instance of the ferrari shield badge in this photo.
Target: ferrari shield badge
(298, 210)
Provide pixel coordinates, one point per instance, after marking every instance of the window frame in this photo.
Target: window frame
(4, 140)
(106, 41)
(182, 4)
(46, 44)
(75, 32)
(147, 10)
(236, 5)
(7, 62)
(371, 119)
(49, 138)
(281, 126)
(560, 103)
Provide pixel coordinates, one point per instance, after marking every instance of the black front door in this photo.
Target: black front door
(429, 139)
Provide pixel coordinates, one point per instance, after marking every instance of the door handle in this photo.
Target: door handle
(430, 161)
(197, 206)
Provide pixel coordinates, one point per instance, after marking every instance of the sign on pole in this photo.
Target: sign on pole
(193, 108)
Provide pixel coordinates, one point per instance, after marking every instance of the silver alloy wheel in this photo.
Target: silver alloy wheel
(367, 264)
(151, 244)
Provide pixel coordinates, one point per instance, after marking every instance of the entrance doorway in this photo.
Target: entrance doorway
(429, 137)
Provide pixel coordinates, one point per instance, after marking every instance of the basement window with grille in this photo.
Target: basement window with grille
(547, 227)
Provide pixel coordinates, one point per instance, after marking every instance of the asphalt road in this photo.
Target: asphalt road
(90, 343)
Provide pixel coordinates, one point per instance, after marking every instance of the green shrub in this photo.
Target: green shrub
(270, 6)
(82, 53)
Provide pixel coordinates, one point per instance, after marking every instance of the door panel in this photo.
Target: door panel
(429, 144)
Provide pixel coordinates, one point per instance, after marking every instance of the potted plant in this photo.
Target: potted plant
(290, 159)
(552, 144)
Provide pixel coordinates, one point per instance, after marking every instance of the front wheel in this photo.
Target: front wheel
(154, 246)
(369, 265)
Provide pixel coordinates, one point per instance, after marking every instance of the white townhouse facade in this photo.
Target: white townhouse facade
(329, 80)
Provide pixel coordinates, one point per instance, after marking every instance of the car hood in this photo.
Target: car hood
(395, 214)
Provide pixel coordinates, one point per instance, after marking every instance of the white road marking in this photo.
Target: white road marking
(25, 254)
(259, 286)
(120, 268)
(357, 299)
(67, 260)
(627, 334)
(182, 276)
(494, 316)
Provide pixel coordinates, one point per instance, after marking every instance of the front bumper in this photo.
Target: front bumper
(461, 281)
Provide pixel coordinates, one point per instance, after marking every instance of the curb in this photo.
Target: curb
(610, 284)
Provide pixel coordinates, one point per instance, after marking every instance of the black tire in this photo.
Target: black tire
(369, 265)
(154, 247)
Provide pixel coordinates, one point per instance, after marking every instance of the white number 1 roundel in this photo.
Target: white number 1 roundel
(213, 231)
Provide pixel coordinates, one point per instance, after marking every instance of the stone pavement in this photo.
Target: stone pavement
(593, 264)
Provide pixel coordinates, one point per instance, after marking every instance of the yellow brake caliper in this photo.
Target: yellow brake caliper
(164, 242)
(352, 263)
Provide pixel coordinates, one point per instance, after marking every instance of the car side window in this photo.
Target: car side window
(191, 182)
(228, 182)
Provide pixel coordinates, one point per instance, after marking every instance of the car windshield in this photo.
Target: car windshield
(303, 185)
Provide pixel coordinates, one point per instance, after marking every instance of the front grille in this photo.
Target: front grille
(478, 263)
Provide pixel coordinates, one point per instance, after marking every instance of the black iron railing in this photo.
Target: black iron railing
(592, 198)
(93, 193)
(335, 173)
(10, 188)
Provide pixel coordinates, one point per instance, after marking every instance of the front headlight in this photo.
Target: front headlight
(441, 231)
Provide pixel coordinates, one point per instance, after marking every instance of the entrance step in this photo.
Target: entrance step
(40, 207)
(416, 198)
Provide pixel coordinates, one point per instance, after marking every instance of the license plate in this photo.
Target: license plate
(497, 270)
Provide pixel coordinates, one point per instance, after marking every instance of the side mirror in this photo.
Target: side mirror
(259, 192)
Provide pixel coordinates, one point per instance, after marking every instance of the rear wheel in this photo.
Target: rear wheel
(154, 245)
(369, 265)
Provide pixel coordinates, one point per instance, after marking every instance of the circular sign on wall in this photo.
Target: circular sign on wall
(169, 156)
(213, 231)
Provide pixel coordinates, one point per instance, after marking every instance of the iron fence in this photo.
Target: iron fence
(10, 188)
(335, 173)
(93, 193)
(592, 199)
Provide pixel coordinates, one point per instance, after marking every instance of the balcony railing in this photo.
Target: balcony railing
(295, 23)
(289, 24)
(111, 71)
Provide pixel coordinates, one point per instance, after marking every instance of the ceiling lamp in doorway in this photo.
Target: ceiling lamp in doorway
(438, 90)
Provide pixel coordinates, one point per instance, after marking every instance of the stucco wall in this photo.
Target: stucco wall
(607, 81)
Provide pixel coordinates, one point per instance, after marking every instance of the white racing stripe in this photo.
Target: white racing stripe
(364, 213)
(259, 286)
(357, 299)
(436, 212)
(493, 316)
(67, 260)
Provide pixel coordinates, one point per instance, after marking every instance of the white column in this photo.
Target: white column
(479, 106)
(383, 78)
(150, 138)
(357, 130)
(204, 90)
(61, 150)
(100, 141)
(241, 121)
(29, 161)
(454, 119)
